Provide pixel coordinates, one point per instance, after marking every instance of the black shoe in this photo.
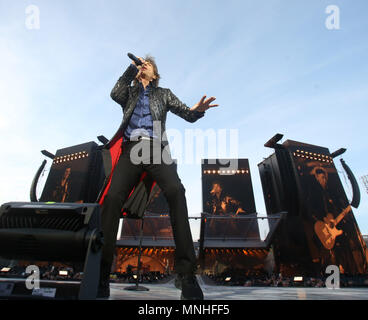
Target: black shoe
(178, 280)
(103, 291)
(190, 289)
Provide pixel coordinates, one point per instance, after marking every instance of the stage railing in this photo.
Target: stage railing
(157, 228)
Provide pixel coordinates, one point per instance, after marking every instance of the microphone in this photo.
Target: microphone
(135, 59)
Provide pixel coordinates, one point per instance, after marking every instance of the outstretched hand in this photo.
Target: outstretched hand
(204, 104)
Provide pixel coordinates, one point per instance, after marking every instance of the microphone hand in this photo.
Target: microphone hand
(139, 65)
(137, 61)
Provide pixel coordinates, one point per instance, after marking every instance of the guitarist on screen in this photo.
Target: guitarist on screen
(329, 215)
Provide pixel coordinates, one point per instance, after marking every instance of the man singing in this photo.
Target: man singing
(144, 106)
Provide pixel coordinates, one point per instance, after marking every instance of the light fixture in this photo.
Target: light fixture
(5, 269)
(312, 156)
(71, 157)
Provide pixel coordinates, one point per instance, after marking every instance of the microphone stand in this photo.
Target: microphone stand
(137, 287)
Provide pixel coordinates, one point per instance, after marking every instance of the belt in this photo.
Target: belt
(145, 138)
(139, 138)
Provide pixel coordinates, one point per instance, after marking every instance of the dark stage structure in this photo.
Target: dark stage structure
(320, 228)
(76, 175)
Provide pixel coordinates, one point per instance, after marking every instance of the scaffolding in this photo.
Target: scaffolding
(365, 182)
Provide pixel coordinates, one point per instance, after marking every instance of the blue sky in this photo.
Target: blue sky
(273, 66)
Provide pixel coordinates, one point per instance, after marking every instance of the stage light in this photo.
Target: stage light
(313, 156)
(5, 269)
(71, 157)
(227, 279)
(66, 232)
(298, 279)
(135, 276)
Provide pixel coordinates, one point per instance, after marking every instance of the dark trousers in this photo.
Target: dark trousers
(125, 177)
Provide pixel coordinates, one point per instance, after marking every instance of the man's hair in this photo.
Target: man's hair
(152, 61)
(216, 182)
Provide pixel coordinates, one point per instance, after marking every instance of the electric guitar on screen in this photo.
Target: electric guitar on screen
(326, 229)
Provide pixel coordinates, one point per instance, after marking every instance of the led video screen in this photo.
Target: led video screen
(228, 200)
(70, 177)
(330, 227)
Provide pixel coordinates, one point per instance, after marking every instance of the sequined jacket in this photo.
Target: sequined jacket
(161, 101)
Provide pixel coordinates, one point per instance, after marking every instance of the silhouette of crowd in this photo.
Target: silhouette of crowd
(227, 278)
(259, 279)
(52, 272)
(47, 272)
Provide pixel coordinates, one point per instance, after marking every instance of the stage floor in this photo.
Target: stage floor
(167, 291)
